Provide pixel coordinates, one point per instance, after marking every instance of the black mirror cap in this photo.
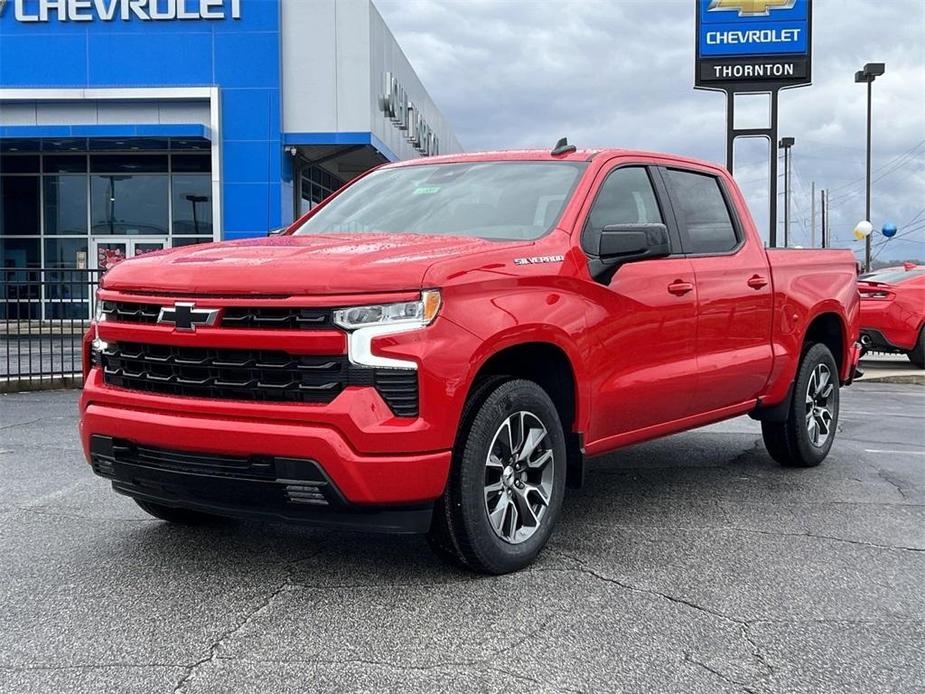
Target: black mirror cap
(625, 243)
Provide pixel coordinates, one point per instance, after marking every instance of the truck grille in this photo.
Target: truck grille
(263, 317)
(225, 373)
(233, 374)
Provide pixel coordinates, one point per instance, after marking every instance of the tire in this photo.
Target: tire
(180, 516)
(917, 355)
(523, 488)
(805, 438)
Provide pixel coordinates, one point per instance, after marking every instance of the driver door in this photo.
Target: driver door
(646, 373)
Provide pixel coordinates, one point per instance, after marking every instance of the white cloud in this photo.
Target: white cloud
(516, 73)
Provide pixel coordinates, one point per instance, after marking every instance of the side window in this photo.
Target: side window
(626, 197)
(702, 212)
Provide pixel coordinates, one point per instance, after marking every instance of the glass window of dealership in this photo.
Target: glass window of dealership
(241, 115)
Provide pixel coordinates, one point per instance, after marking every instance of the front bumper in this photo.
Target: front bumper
(295, 490)
(366, 483)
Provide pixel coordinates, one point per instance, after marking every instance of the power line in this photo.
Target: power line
(882, 166)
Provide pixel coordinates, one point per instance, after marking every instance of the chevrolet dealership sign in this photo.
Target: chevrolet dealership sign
(752, 45)
(122, 10)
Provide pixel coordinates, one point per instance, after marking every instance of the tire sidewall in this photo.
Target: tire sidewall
(808, 453)
(510, 397)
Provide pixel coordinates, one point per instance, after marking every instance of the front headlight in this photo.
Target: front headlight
(100, 315)
(406, 313)
(365, 323)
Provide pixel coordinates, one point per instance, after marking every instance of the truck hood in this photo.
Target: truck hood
(290, 265)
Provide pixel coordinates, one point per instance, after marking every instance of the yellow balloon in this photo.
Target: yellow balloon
(859, 235)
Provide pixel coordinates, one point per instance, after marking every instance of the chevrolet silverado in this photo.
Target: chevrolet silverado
(440, 345)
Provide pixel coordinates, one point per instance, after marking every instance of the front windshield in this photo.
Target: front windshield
(489, 200)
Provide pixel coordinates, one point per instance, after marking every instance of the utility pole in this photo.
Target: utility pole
(822, 209)
(786, 143)
(812, 205)
(870, 72)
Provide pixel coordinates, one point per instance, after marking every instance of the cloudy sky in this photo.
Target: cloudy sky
(522, 73)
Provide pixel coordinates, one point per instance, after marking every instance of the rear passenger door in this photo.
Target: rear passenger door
(734, 293)
(647, 319)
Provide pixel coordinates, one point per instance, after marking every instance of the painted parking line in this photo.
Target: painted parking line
(878, 450)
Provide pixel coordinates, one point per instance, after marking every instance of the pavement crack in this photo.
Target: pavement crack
(22, 424)
(94, 666)
(585, 569)
(743, 625)
(215, 646)
(891, 480)
(833, 538)
(689, 658)
(40, 512)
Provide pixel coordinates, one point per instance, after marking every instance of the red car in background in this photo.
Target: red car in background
(893, 311)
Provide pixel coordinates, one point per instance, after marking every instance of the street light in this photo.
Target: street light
(870, 72)
(785, 144)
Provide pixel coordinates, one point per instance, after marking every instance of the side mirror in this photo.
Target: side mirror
(276, 232)
(626, 243)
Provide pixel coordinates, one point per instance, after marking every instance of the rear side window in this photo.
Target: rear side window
(702, 212)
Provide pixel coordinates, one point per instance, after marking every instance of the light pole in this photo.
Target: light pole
(870, 72)
(785, 144)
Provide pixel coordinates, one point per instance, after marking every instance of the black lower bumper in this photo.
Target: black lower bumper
(875, 341)
(294, 490)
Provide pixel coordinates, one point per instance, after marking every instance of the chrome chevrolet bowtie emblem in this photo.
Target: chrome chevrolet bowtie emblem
(185, 316)
(751, 8)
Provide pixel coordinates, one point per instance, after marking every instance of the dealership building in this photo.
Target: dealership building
(132, 125)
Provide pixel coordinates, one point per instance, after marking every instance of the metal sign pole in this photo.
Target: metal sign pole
(753, 47)
(769, 134)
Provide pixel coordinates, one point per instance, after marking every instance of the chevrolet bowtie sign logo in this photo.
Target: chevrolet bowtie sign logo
(185, 316)
(751, 8)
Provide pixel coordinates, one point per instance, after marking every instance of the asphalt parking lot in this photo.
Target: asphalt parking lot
(689, 564)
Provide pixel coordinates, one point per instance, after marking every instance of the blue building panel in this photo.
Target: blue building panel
(240, 56)
(156, 60)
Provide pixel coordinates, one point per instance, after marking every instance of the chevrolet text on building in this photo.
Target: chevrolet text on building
(124, 10)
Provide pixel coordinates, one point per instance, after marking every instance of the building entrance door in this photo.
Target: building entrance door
(109, 251)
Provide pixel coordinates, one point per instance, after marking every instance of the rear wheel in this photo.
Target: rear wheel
(805, 438)
(505, 491)
(917, 354)
(180, 516)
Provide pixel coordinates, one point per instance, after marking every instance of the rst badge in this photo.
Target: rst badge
(185, 316)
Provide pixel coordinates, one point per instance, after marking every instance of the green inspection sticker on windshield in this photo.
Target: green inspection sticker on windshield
(427, 190)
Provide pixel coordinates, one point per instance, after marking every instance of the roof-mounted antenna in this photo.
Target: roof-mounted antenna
(563, 147)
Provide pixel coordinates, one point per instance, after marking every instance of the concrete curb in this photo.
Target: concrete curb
(914, 379)
(27, 385)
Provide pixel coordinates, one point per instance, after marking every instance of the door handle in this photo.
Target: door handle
(679, 288)
(757, 282)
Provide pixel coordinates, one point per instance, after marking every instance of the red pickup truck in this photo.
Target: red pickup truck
(441, 344)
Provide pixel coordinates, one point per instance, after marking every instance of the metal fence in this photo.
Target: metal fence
(43, 316)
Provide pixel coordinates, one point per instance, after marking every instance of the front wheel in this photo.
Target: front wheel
(505, 490)
(805, 438)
